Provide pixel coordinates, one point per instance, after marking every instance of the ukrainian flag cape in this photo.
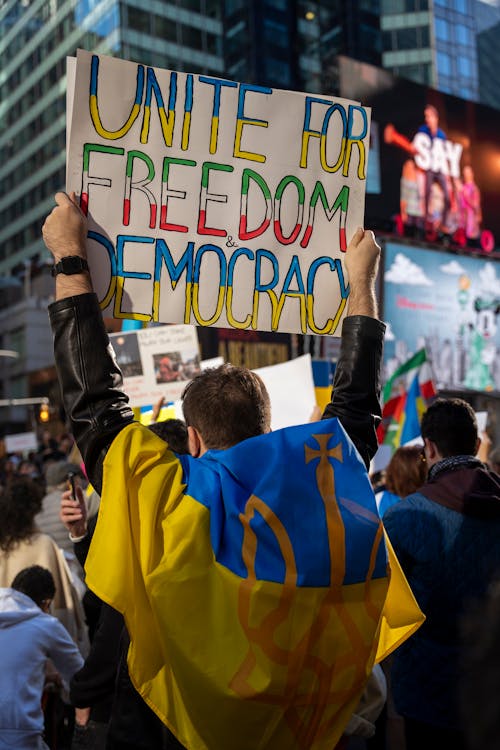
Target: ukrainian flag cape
(255, 584)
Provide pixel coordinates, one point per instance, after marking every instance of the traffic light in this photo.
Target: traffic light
(44, 413)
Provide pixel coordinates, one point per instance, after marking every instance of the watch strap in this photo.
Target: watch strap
(70, 265)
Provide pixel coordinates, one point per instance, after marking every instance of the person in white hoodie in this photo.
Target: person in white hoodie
(29, 636)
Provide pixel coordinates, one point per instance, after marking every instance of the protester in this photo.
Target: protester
(102, 691)
(48, 451)
(22, 545)
(480, 672)
(447, 538)
(405, 473)
(29, 636)
(28, 468)
(235, 623)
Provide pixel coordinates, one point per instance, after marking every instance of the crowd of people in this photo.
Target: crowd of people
(213, 539)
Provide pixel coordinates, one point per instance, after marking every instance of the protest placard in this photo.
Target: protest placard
(291, 389)
(156, 362)
(214, 202)
(21, 442)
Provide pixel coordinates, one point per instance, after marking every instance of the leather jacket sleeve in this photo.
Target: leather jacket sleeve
(356, 385)
(90, 379)
(98, 409)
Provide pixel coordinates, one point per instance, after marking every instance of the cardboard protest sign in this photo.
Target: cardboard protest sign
(291, 389)
(156, 362)
(21, 442)
(213, 202)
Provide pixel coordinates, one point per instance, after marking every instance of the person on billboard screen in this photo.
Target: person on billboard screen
(470, 205)
(439, 160)
(435, 174)
(412, 191)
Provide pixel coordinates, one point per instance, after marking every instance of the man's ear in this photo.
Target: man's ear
(478, 446)
(195, 443)
(431, 452)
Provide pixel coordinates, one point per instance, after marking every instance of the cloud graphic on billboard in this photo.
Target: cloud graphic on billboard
(490, 283)
(404, 271)
(453, 268)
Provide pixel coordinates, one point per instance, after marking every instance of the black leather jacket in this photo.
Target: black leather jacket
(98, 409)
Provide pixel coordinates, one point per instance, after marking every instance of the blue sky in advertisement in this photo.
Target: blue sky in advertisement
(451, 305)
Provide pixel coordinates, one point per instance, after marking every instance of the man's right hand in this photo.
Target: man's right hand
(73, 513)
(65, 228)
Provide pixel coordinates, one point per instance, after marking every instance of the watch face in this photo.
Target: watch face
(70, 265)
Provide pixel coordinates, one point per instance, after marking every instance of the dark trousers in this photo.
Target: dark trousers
(421, 736)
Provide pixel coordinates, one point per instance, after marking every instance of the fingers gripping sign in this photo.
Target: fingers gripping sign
(65, 228)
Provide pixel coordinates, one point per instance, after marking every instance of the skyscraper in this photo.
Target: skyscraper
(294, 43)
(35, 38)
(436, 43)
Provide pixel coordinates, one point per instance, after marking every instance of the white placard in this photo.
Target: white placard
(21, 442)
(291, 389)
(214, 202)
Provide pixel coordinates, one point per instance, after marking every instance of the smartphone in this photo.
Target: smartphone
(71, 479)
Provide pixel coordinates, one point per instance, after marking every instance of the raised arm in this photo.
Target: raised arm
(356, 386)
(89, 376)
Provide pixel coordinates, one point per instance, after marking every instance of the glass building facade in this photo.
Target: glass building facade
(35, 38)
(294, 43)
(435, 42)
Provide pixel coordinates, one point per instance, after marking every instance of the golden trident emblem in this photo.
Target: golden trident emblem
(304, 705)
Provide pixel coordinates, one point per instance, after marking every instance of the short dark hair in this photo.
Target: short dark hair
(451, 424)
(173, 432)
(36, 582)
(227, 404)
(19, 504)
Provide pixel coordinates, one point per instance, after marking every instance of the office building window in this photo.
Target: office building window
(444, 64)
(276, 33)
(139, 20)
(463, 34)
(465, 68)
(442, 29)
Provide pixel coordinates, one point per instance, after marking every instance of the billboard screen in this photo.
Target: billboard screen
(449, 304)
(434, 166)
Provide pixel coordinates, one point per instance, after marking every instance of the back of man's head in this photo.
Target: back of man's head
(227, 404)
(451, 424)
(35, 582)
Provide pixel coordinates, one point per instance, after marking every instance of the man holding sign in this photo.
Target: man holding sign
(254, 581)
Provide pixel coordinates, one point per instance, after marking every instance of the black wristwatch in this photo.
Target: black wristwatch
(70, 265)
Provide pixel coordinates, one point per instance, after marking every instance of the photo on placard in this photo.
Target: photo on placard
(128, 356)
(169, 367)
